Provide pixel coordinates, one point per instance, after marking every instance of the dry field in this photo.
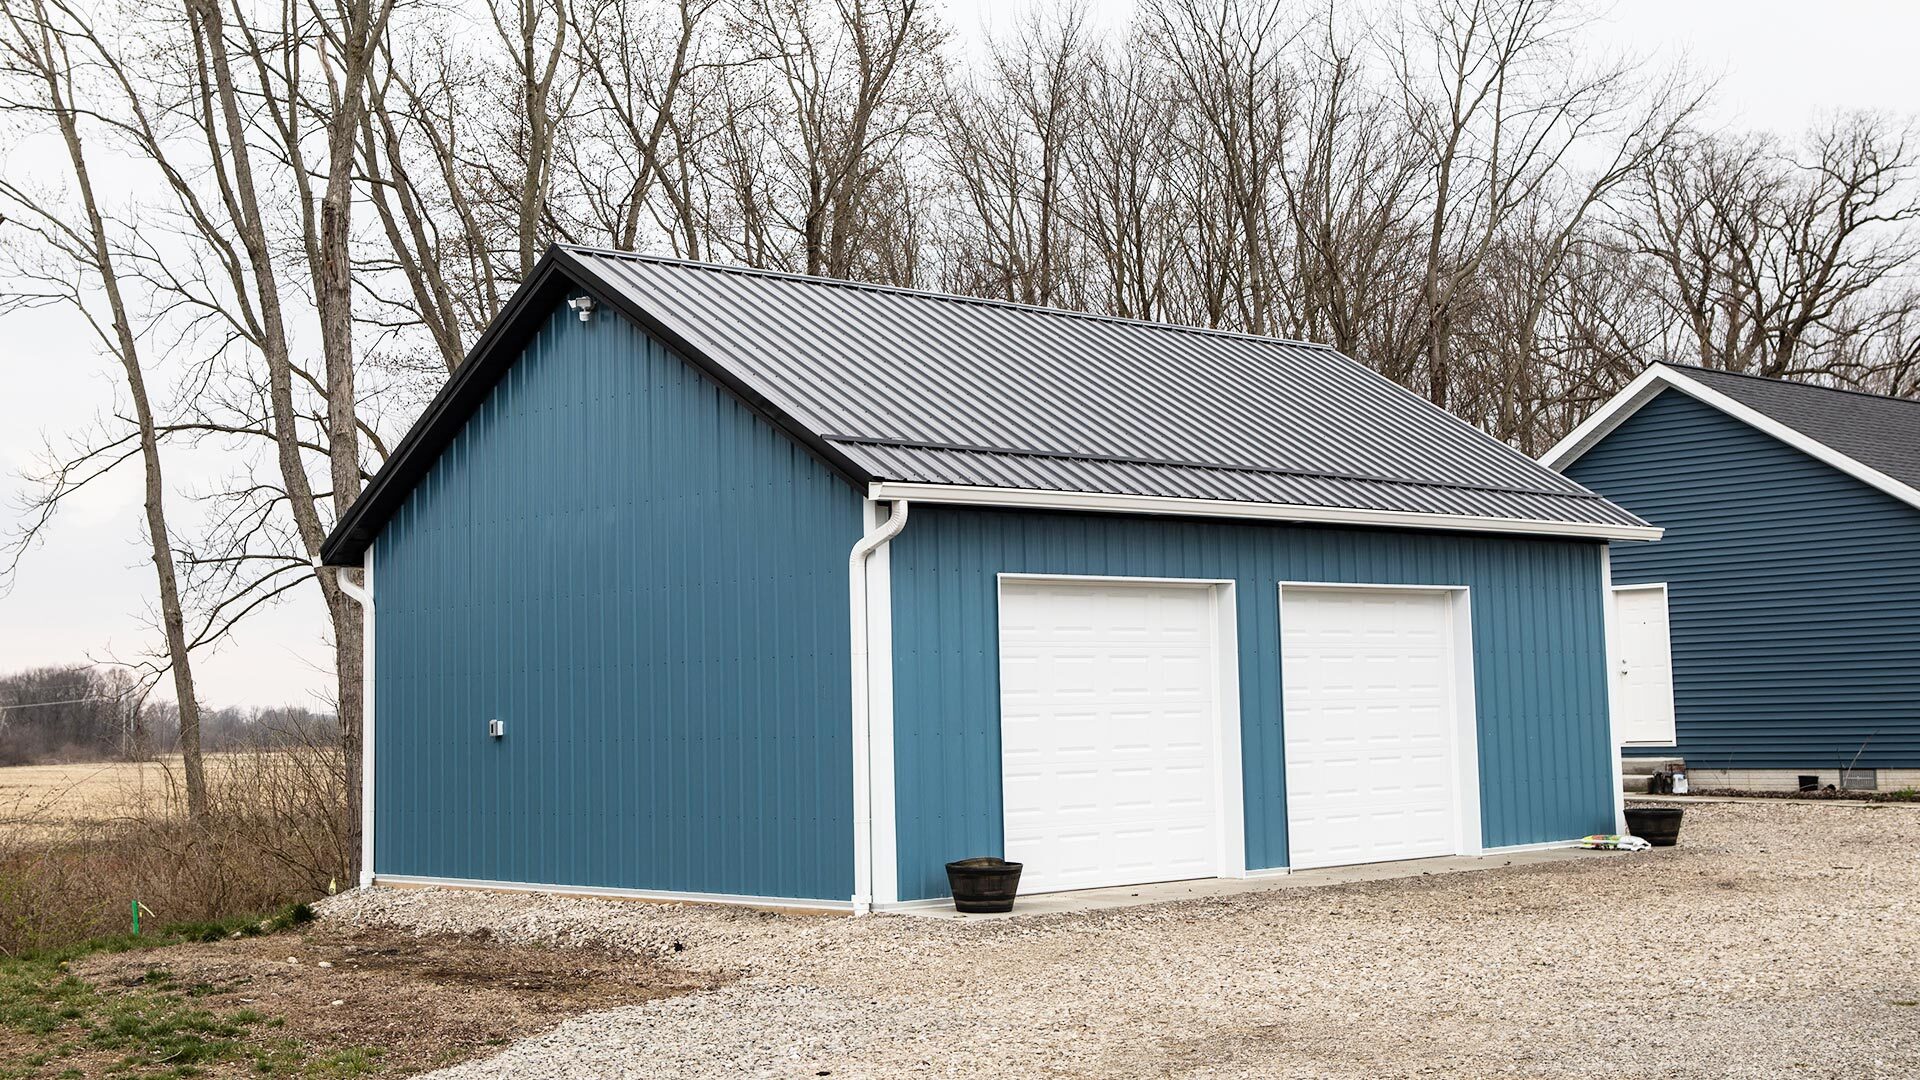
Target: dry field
(44, 802)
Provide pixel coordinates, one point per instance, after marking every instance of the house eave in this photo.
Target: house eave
(1102, 502)
(1658, 378)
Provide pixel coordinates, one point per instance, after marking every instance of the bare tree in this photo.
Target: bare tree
(858, 76)
(1228, 59)
(1787, 262)
(43, 48)
(1005, 140)
(1498, 95)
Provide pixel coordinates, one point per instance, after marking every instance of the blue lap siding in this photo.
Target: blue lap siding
(1538, 637)
(647, 583)
(1793, 592)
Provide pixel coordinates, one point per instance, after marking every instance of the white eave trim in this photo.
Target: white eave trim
(1033, 499)
(1659, 377)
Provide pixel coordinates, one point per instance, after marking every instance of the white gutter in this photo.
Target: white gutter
(362, 594)
(863, 705)
(968, 495)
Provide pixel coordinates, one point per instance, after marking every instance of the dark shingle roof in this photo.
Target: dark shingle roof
(891, 385)
(1880, 432)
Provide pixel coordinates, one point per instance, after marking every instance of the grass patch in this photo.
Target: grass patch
(154, 1027)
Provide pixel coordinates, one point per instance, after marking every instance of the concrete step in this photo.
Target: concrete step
(1636, 773)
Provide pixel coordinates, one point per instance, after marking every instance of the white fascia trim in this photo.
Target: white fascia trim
(1041, 499)
(1659, 377)
(781, 903)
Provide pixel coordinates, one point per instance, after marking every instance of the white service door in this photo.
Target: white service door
(1108, 698)
(1367, 677)
(1643, 675)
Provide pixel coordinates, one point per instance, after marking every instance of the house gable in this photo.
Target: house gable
(1794, 590)
(644, 580)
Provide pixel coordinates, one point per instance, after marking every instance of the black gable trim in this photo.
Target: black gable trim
(555, 276)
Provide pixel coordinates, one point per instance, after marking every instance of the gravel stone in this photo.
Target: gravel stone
(1777, 940)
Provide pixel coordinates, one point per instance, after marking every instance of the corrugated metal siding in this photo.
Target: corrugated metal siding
(648, 584)
(938, 389)
(1793, 592)
(1546, 768)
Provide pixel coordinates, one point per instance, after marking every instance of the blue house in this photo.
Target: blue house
(702, 582)
(1772, 637)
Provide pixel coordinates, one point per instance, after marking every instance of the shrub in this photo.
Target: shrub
(277, 833)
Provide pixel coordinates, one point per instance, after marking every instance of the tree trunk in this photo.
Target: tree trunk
(172, 620)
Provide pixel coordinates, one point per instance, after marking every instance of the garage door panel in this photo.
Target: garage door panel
(1367, 678)
(1108, 733)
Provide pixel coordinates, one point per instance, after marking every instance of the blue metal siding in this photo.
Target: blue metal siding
(647, 583)
(1793, 592)
(1545, 749)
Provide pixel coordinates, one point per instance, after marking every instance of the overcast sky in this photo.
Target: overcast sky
(85, 592)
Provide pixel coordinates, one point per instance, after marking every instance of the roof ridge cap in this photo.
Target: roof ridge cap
(930, 294)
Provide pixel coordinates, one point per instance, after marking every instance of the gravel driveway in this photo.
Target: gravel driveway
(1776, 940)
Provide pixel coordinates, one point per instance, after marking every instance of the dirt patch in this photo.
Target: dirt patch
(405, 1003)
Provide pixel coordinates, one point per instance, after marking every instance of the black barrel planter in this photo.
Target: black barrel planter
(983, 886)
(1657, 825)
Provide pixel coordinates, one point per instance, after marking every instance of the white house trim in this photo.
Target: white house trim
(878, 533)
(1610, 647)
(1229, 785)
(1469, 830)
(362, 596)
(1617, 655)
(968, 495)
(1659, 377)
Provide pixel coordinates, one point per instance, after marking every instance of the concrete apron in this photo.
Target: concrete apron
(1121, 896)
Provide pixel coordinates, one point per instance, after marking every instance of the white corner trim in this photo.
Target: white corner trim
(780, 903)
(877, 533)
(1658, 377)
(1040, 499)
(368, 693)
(362, 596)
(1610, 647)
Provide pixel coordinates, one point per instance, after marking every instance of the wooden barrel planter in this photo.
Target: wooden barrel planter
(1657, 825)
(983, 886)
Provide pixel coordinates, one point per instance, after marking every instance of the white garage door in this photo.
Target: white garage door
(1368, 682)
(1108, 715)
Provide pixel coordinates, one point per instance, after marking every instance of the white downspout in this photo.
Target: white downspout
(362, 594)
(863, 706)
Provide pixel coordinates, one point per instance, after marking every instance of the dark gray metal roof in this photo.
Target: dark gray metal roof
(1880, 432)
(896, 386)
(927, 388)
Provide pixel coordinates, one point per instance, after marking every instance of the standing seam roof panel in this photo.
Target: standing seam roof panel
(1013, 396)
